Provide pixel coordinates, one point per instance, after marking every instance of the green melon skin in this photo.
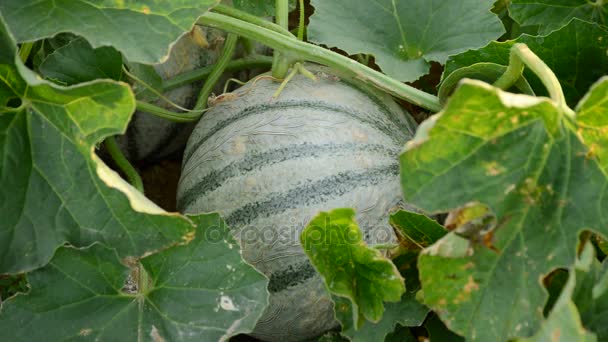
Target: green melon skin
(268, 165)
(151, 138)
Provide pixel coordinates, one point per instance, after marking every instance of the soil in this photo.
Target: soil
(160, 182)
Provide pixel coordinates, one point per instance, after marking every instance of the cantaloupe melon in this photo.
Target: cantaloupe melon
(268, 165)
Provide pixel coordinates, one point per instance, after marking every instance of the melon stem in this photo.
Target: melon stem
(298, 68)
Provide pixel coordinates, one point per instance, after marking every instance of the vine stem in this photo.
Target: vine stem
(312, 53)
(514, 72)
(124, 165)
(167, 114)
(522, 55)
(280, 64)
(250, 18)
(302, 21)
(218, 70)
(24, 51)
(250, 62)
(248, 47)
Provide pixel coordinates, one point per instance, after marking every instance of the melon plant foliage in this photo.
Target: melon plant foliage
(507, 172)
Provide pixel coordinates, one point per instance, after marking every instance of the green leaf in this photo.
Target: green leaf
(11, 285)
(562, 325)
(516, 154)
(576, 53)
(564, 322)
(45, 47)
(439, 332)
(146, 73)
(593, 122)
(401, 334)
(408, 312)
(142, 30)
(260, 8)
(591, 296)
(554, 283)
(602, 246)
(78, 62)
(356, 275)
(550, 15)
(404, 36)
(199, 292)
(54, 188)
(416, 229)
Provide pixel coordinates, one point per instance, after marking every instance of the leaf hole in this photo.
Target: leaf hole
(14, 102)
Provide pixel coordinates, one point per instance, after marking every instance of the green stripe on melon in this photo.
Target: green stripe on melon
(269, 165)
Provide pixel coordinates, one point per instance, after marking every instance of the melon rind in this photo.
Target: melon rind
(268, 165)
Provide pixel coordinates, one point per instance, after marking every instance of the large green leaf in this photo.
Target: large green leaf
(358, 277)
(564, 321)
(549, 15)
(576, 53)
(404, 36)
(518, 155)
(142, 30)
(78, 62)
(54, 189)
(199, 292)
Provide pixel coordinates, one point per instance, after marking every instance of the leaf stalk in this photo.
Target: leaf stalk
(123, 164)
(521, 56)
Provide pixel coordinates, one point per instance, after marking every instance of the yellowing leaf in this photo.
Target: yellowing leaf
(547, 191)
